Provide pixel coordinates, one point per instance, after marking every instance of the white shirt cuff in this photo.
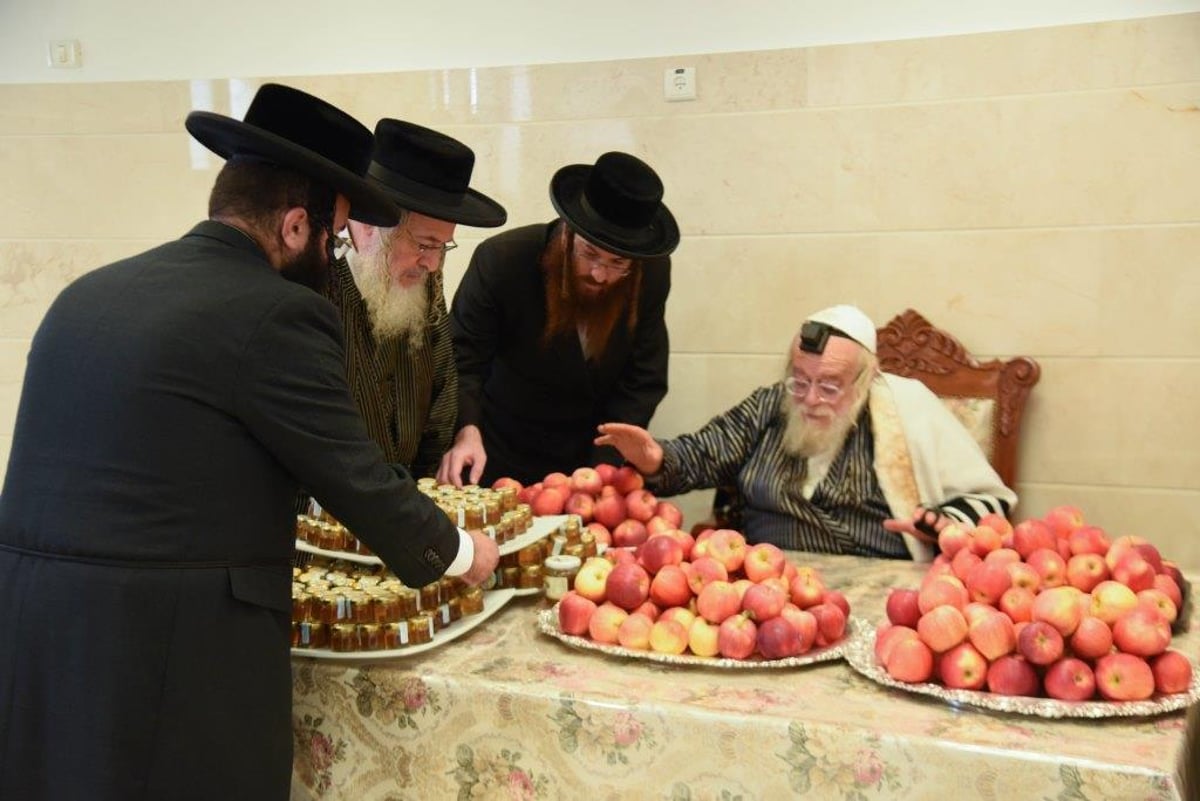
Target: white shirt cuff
(466, 555)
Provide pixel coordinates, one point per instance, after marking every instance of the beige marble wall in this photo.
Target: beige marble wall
(1033, 191)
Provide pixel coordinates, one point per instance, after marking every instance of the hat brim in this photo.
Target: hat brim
(470, 208)
(659, 238)
(227, 137)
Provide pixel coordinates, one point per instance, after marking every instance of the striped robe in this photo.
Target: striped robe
(407, 396)
(908, 450)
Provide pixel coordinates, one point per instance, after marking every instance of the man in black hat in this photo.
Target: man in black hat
(559, 327)
(174, 404)
(389, 290)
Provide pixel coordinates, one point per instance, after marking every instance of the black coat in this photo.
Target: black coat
(174, 404)
(537, 407)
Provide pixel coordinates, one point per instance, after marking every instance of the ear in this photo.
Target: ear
(294, 228)
(362, 235)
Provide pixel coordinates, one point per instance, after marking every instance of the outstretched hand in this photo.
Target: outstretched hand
(925, 525)
(634, 443)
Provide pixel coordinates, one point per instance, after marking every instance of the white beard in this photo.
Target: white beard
(394, 310)
(807, 439)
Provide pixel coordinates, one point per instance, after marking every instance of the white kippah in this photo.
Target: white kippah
(851, 321)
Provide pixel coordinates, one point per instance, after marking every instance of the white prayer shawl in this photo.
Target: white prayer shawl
(923, 455)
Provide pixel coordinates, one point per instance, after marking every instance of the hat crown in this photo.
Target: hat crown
(624, 190)
(311, 123)
(423, 156)
(851, 321)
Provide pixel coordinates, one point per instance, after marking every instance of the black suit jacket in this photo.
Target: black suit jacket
(174, 404)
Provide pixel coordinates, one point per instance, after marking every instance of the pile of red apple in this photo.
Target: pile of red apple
(612, 502)
(1049, 606)
(710, 596)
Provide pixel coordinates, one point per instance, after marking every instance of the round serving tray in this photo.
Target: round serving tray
(547, 623)
(860, 653)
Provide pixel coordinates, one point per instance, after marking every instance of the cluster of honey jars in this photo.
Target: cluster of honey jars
(525, 569)
(496, 512)
(343, 606)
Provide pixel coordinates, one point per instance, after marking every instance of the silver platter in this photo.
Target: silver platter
(860, 653)
(547, 623)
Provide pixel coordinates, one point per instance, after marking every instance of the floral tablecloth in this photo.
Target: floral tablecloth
(508, 713)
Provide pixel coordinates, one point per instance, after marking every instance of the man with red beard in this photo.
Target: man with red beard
(559, 327)
(836, 457)
(389, 291)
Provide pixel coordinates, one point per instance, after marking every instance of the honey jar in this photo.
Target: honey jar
(558, 575)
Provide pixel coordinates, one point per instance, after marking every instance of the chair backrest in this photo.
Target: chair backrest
(988, 397)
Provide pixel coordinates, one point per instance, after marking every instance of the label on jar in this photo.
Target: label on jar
(402, 627)
(556, 587)
(444, 609)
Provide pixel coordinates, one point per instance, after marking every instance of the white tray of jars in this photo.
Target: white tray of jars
(539, 529)
(493, 602)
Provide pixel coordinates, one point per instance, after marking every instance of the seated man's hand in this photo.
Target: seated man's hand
(634, 443)
(925, 525)
(487, 556)
(467, 451)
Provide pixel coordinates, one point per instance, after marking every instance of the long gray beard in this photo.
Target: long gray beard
(393, 310)
(804, 439)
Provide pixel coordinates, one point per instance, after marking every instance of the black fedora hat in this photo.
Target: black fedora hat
(293, 129)
(617, 204)
(428, 172)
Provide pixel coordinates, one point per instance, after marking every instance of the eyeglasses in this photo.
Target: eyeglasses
(422, 249)
(595, 260)
(827, 391)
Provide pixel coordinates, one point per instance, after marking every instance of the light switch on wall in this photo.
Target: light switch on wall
(679, 83)
(64, 54)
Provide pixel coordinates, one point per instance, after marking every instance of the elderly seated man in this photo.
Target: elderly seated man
(837, 457)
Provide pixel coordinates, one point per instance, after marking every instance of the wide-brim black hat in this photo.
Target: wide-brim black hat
(291, 128)
(428, 172)
(617, 205)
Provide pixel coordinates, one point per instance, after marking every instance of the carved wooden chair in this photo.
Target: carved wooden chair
(987, 397)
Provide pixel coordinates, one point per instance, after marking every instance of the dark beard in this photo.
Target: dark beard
(567, 310)
(310, 267)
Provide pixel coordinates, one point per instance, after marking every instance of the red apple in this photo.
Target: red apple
(1003, 556)
(1050, 566)
(592, 579)
(1169, 587)
(505, 482)
(838, 599)
(640, 504)
(609, 510)
(942, 591)
(726, 546)
(1159, 602)
(806, 589)
(669, 512)
(606, 623)
(1023, 575)
(1012, 675)
(1111, 600)
(606, 472)
(777, 639)
(648, 608)
(762, 602)
(680, 614)
(1141, 632)
(627, 479)
(527, 494)
(629, 533)
(658, 525)
(963, 668)
(1017, 603)
(1124, 677)
(668, 637)
(659, 551)
(998, 523)
(628, 586)
(1088, 539)
(942, 628)
(634, 632)
(1085, 570)
(964, 562)
(1134, 572)
(670, 587)
(763, 560)
(737, 637)
(1040, 643)
(831, 623)
(582, 504)
(902, 607)
(1063, 520)
(575, 613)
(703, 638)
(952, 539)
(559, 481)
(987, 582)
(804, 622)
(717, 601)
(600, 532)
(985, 539)
(1060, 607)
(993, 635)
(702, 571)
(1092, 639)
(1172, 672)
(586, 479)
(549, 501)
(911, 661)
(1070, 679)
(1031, 535)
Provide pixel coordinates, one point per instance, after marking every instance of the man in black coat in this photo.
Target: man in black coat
(559, 327)
(174, 404)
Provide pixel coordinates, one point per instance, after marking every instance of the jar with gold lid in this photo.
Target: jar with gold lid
(471, 601)
(530, 577)
(420, 628)
(558, 575)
